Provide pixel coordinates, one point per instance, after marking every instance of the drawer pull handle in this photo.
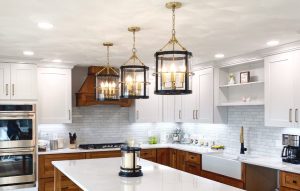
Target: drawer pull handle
(294, 182)
(192, 157)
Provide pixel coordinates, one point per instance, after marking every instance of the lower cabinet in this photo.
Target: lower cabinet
(163, 156)
(180, 160)
(47, 184)
(107, 154)
(289, 181)
(173, 158)
(149, 154)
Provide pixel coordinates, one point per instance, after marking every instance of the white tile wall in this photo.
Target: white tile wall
(99, 124)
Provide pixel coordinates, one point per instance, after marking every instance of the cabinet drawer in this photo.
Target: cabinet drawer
(104, 154)
(193, 168)
(193, 158)
(47, 184)
(149, 154)
(287, 189)
(46, 169)
(290, 180)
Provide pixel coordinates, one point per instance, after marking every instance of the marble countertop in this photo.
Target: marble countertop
(102, 175)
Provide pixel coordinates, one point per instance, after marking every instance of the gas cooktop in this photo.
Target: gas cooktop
(101, 146)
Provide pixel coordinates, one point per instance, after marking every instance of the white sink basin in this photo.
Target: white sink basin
(224, 164)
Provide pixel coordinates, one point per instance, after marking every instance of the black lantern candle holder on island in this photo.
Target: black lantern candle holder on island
(130, 162)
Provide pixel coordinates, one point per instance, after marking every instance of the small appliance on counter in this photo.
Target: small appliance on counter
(177, 135)
(291, 150)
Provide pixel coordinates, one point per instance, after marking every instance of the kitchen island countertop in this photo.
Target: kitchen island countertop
(102, 175)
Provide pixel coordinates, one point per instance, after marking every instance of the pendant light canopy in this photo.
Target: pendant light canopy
(107, 80)
(134, 75)
(173, 74)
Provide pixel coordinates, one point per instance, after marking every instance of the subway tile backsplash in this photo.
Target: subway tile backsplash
(103, 124)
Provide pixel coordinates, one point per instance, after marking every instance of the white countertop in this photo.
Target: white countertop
(102, 175)
(189, 148)
(274, 163)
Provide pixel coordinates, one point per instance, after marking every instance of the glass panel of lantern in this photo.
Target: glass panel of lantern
(134, 81)
(107, 84)
(173, 74)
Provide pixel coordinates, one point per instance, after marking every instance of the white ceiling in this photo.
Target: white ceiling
(205, 27)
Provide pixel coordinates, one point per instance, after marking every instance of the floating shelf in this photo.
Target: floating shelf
(241, 84)
(241, 103)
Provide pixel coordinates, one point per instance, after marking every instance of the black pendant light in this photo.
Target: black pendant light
(173, 74)
(134, 75)
(107, 80)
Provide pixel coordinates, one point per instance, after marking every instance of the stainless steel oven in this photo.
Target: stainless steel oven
(17, 166)
(17, 126)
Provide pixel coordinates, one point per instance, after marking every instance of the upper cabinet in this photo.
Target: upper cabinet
(198, 106)
(18, 82)
(282, 89)
(147, 110)
(54, 93)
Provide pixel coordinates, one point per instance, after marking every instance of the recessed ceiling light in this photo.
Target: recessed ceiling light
(273, 43)
(57, 61)
(45, 25)
(28, 53)
(219, 55)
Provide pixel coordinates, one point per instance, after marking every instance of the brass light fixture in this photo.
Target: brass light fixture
(173, 74)
(107, 80)
(134, 75)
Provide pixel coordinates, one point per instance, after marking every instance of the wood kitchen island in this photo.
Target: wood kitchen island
(102, 175)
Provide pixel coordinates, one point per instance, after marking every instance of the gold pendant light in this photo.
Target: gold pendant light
(134, 75)
(173, 74)
(107, 80)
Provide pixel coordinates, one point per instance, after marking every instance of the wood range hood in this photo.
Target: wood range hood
(87, 94)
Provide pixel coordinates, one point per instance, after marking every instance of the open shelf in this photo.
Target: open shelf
(241, 84)
(233, 94)
(241, 103)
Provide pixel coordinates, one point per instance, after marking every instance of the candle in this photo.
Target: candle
(128, 160)
(129, 83)
(173, 75)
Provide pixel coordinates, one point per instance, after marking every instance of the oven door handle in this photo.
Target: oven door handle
(17, 116)
(14, 151)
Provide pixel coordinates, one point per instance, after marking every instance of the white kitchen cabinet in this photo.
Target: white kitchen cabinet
(54, 94)
(23, 82)
(147, 110)
(198, 106)
(282, 89)
(168, 108)
(18, 82)
(296, 88)
(205, 96)
(4, 81)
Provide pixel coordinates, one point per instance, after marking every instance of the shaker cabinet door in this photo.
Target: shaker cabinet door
(279, 93)
(55, 100)
(23, 82)
(205, 83)
(4, 81)
(296, 58)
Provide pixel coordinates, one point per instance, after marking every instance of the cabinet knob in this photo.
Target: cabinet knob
(294, 181)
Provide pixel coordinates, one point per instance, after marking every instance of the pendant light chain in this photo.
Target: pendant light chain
(133, 49)
(107, 56)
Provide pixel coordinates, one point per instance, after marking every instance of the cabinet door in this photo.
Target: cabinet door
(180, 160)
(168, 114)
(23, 82)
(148, 110)
(173, 158)
(4, 81)
(279, 90)
(296, 88)
(55, 99)
(205, 83)
(163, 156)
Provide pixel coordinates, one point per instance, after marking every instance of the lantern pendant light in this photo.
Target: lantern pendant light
(134, 75)
(173, 74)
(107, 80)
